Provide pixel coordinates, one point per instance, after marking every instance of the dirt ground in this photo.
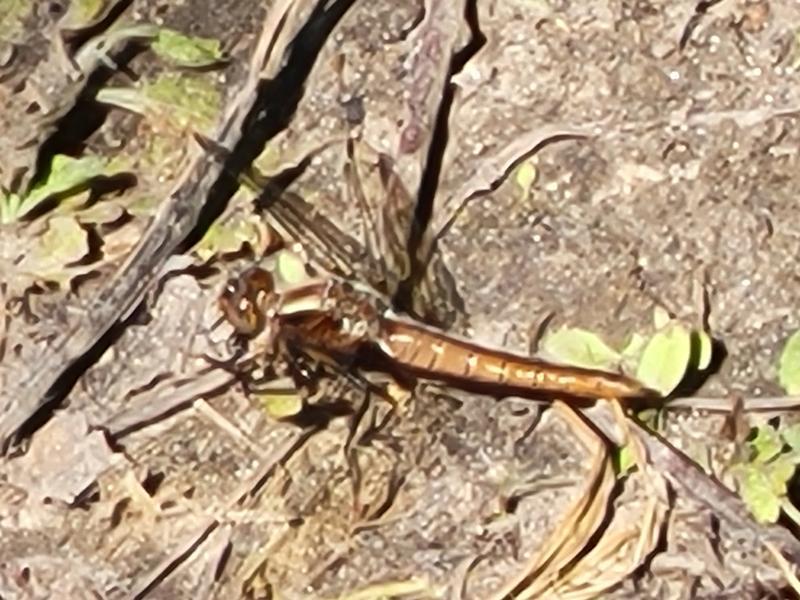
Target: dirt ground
(662, 138)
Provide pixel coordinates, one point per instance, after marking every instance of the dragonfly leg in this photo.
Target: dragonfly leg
(244, 370)
(627, 439)
(622, 421)
(256, 383)
(235, 349)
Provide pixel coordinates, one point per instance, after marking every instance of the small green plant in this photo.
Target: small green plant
(281, 404)
(229, 236)
(178, 100)
(773, 453)
(525, 176)
(789, 365)
(660, 361)
(185, 51)
(773, 456)
(65, 177)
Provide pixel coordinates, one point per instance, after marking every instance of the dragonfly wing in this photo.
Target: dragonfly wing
(388, 210)
(431, 294)
(436, 296)
(327, 246)
(297, 221)
(387, 215)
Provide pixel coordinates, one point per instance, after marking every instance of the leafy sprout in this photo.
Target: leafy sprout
(186, 51)
(57, 252)
(660, 362)
(182, 100)
(665, 359)
(229, 236)
(525, 177)
(581, 348)
(281, 404)
(763, 477)
(789, 365)
(66, 177)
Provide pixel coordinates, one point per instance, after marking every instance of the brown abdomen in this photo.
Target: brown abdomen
(436, 355)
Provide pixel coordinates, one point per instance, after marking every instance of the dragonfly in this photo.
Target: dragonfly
(347, 311)
(351, 322)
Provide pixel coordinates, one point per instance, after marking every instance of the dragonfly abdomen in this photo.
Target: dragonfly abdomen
(438, 355)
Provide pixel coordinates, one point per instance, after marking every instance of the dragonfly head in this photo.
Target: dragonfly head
(247, 300)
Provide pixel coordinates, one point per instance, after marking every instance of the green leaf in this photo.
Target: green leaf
(779, 472)
(185, 51)
(791, 435)
(143, 205)
(291, 268)
(526, 175)
(704, 345)
(194, 100)
(65, 242)
(635, 346)
(581, 348)
(632, 352)
(764, 479)
(625, 460)
(766, 445)
(281, 405)
(756, 491)
(789, 365)
(226, 237)
(186, 101)
(131, 99)
(9, 207)
(665, 359)
(67, 175)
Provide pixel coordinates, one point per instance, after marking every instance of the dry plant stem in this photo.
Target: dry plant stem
(688, 478)
(205, 409)
(774, 404)
(789, 570)
(183, 551)
(166, 399)
(623, 547)
(605, 565)
(411, 588)
(580, 521)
